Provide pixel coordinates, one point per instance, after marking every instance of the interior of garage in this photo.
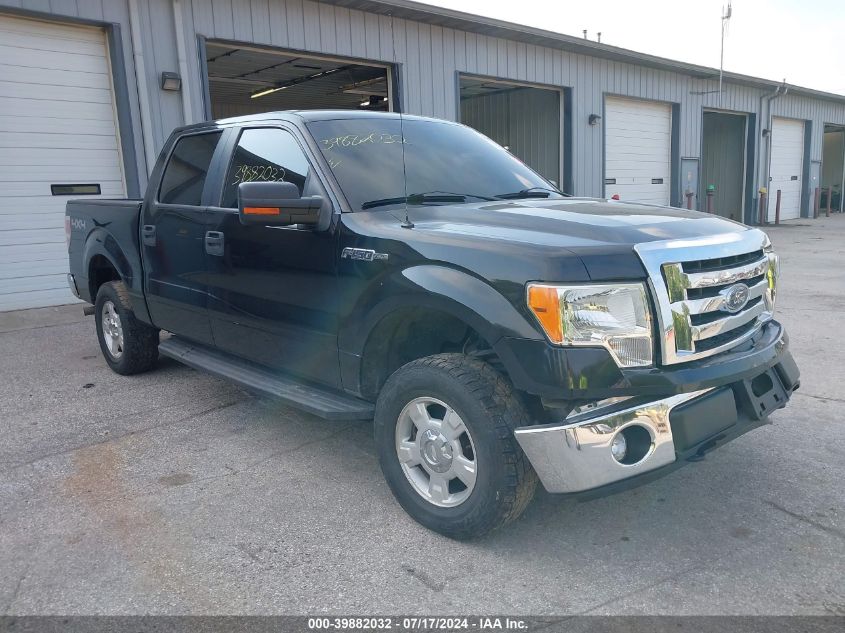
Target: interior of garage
(833, 168)
(245, 80)
(723, 165)
(524, 119)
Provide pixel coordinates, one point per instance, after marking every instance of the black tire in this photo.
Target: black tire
(485, 401)
(139, 351)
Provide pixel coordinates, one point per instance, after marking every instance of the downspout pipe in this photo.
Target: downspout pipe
(780, 91)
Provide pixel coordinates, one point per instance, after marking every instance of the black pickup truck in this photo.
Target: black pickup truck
(409, 270)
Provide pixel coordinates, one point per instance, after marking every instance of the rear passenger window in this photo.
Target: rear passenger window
(184, 176)
(265, 155)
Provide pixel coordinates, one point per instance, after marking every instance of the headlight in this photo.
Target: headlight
(615, 316)
(772, 274)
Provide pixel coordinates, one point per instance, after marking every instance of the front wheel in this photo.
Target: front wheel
(444, 434)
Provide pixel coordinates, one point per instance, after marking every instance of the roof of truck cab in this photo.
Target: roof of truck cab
(307, 116)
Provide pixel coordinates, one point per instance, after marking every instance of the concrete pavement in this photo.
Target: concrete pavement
(174, 492)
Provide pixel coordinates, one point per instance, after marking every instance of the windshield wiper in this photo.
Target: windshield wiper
(531, 192)
(424, 198)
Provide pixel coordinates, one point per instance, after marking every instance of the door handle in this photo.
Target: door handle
(214, 243)
(148, 233)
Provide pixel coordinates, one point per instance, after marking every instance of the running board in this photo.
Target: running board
(320, 401)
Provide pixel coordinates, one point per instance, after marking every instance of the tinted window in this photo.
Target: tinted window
(366, 156)
(265, 155)
(184, 176)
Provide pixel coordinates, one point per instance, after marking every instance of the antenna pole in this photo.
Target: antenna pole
(726, 15)
(407, 224)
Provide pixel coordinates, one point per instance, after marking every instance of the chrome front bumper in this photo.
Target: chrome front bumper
(575, 456)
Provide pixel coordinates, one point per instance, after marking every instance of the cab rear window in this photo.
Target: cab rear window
(186, 171)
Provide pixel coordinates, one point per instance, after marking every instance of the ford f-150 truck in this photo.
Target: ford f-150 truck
(411, 271)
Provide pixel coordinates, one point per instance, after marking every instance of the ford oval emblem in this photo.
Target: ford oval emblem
(736, 297)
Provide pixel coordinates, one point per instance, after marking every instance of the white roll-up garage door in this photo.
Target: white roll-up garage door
(638, 150)
(786, 168)
(57, 127)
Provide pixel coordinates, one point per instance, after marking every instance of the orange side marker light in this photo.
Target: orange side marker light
(544, 303)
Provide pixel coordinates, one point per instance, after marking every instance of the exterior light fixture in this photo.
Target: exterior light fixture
(171, 81)
(594, 119)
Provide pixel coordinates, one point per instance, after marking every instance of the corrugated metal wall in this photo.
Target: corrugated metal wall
(429, 57)
(723, 161)
(535, 139)
(834, 154)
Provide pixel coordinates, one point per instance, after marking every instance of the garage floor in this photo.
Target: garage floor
(174, 492)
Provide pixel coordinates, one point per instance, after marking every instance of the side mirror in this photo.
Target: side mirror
(277, 204)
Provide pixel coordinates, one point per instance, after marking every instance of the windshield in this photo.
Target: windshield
(444, 163)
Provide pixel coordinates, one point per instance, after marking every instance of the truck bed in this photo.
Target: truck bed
(108, 229)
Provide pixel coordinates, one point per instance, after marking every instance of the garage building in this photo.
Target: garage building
(90, 90)
(57, 129)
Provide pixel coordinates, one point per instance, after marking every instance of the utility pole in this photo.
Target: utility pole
(726, 15)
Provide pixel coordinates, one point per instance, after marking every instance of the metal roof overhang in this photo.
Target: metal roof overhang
(450, 18)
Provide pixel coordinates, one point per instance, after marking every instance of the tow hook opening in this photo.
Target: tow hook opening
(761, 385)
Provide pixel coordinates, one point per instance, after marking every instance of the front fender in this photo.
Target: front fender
(435, 287)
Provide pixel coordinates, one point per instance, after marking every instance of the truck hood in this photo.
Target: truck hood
(568, 239)
(571, 223)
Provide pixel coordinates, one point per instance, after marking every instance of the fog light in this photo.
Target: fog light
(619, 447)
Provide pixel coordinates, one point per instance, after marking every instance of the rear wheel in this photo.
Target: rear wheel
(444, 434)
(128, 345)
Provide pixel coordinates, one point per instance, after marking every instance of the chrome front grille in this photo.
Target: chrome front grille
(711, 293)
